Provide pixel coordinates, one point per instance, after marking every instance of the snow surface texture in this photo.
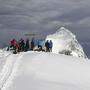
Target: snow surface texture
(65, 41)
(45, 71)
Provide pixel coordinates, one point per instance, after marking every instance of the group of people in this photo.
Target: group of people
(26, 45)
(19, 46)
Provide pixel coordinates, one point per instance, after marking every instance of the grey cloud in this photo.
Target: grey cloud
(43, 16)
(74, 15)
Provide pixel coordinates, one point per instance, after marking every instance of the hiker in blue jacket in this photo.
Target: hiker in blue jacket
(40, 44)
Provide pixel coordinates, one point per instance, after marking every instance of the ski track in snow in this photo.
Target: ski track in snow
(3, 56)
(9, 70)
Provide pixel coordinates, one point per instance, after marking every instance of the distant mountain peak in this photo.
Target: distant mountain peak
(62, 28)
(65, 41)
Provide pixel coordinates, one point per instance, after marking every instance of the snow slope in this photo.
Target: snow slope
(64, 40)
(45, 71)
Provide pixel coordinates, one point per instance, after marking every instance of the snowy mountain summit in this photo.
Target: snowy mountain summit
(65, 42)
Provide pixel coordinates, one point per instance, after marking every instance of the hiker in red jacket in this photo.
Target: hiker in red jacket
(14, 46)
(12, 43)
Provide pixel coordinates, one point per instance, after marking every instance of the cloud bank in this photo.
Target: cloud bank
(43, 16)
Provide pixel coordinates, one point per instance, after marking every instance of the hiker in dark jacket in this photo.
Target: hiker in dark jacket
(22, 45)
(32, 44)
(16, 48)
(47, 46)
(50, 45)
(27, 45)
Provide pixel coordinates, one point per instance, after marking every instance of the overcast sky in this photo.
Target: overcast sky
(44, 16)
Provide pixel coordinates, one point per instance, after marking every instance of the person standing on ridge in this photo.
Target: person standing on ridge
(27, 45)
(40, 44)
(47, 46)
(32, 44)
(22, 45)
(17, 48)
(12, 44)
(50, 45)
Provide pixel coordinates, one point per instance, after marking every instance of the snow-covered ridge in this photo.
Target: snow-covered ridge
(45, 71)
(65, 41)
